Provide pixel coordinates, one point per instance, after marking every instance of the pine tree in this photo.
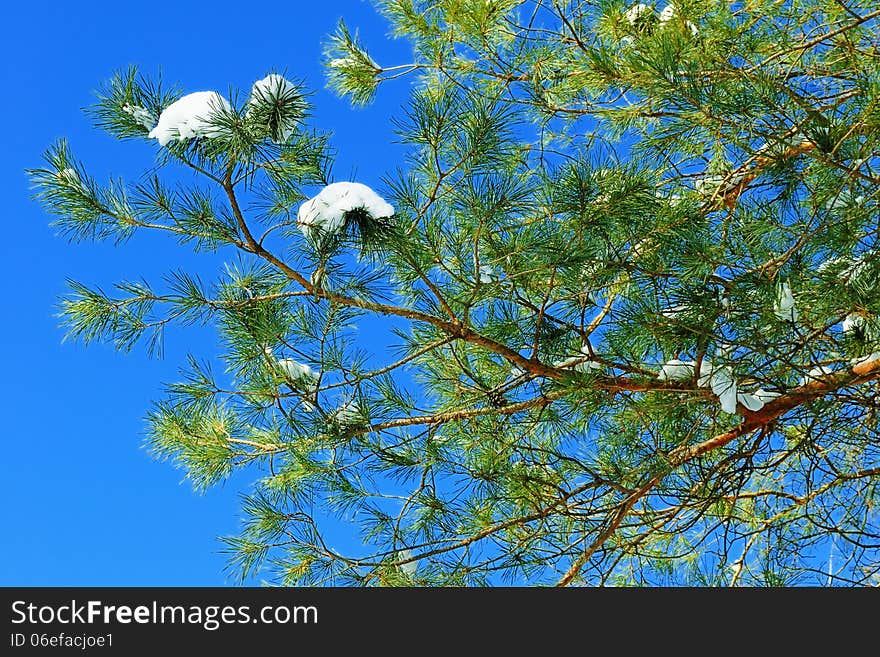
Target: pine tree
(630, 266)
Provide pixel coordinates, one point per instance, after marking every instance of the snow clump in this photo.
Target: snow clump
(578, 364)
(409, 568)
(70, 177)
(342, 62)
(637, 11)
(669, 13)
(194, 115)
(274, 90)
(349, 414)
(854, 323)
(296, 371)
(326, 212)
(784, 307)
(677, 370)
(720, 380)
(815, 374)
(303, 377)
(140, 114)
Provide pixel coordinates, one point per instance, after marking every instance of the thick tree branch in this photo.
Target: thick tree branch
(859, 373)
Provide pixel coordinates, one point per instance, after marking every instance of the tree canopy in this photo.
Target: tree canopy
(629, 273)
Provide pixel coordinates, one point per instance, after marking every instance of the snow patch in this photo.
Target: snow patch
(815, 374)
(677, 370)
(846, 268)
(853, 323)
(766, 396)
(674, 311)
(342, 62)
(832, 263)
(750, 402)
(637, 11)
(719, 378)
(670, 12)
(754, 401)
(844, 200)
(325, 213)
(707, 185)
(487, 274)
(273, 90)
(410, 567)
(297, 371)
(870, 358)
(348, 414)
(723, 385)
(70, 177)
(784, 307)
(578, 364)
(303, 377)
(191, 116)
(140, 114)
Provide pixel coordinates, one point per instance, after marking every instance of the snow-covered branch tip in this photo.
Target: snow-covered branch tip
(328, 213)
(194, 115)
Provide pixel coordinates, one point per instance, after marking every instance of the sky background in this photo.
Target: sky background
(83, 502)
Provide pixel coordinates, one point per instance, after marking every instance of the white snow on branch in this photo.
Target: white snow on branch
(271, 87)
(754, 401)
(721, 381)
(274, 89)
(194, 115)
(409, 568)
(349, 414)
(766, 395)
(725, 387)
(719, 378)
(832, 263)
(488, 274)
(670, 12)
(303, 378)
(706, 370)
(140, 114)
(844, 200)
(298, 372)
(677, 370)
(870, 358)
(708, 184)
(325, 213)
(862, 326)
(853, 323)
(342, 62)
(70, 177)
(784, 307)
(578, 364)
(750, 402)
(637, 11)
(674, 311)
(815, 374)
(847, 268)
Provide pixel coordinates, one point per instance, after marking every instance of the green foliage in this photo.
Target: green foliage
(470, 390)
(130, 103)
(350, 69)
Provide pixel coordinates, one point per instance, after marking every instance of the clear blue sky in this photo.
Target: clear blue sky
(83, 502)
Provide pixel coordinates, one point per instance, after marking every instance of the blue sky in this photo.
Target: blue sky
(83, 502)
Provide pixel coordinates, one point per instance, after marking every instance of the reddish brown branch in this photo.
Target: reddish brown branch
(861, 372)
